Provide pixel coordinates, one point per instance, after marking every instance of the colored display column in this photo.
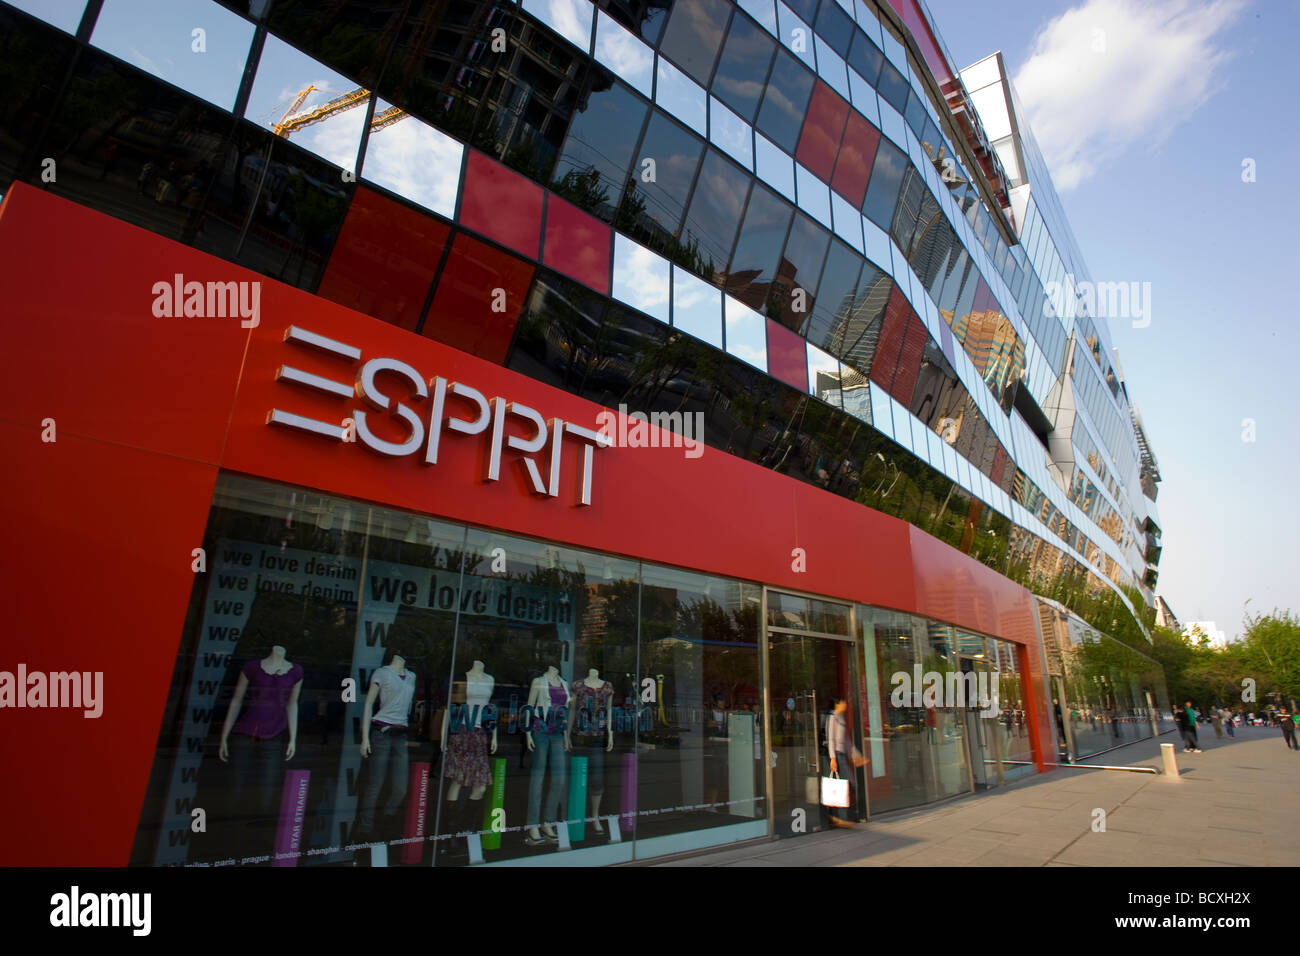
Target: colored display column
(293, 811)
(416, 812)
(577, 799)
(496, 801)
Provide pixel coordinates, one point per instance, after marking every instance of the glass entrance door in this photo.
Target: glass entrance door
(811, 665)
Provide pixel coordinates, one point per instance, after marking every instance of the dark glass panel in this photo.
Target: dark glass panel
(694, 34)
(893, 87)
(865, 57)
(758, 249)
(800, 268)
(651, 211)
(513, 105)
(882, 189)
(593, 168)
(837, 295)
(836, 27)
(780, 118)
(908, 210)
(714, 214)
(862, 330)
(353, 36)
(34, 59)
(742, 70)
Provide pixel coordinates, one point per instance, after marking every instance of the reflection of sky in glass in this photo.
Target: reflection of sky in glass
(731, 134)
(680, 95)
(800, 44)
(64, 14)
(416, 161)
(746, 334)
(622, 52)
(640, 278)
(774, 166)
(697, 308)
(158, 38)
(281, 75)
(571, 19)
(814, 195)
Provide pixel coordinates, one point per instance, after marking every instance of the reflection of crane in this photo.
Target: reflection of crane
(339, 104)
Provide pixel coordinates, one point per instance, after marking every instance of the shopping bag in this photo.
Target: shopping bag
(835, 792)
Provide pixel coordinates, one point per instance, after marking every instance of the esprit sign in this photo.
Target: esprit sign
(430, 409)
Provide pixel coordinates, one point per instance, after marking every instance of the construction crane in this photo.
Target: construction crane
(339, 104)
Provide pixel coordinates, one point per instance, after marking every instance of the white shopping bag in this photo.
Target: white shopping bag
(835, 792)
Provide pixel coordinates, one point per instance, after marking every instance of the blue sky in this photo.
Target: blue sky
(1155, 135)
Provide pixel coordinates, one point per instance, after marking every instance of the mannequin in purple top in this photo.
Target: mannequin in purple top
(263, 719)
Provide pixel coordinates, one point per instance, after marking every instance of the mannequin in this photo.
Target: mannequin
(270, 687)
(468, 749)
(548, 739)
(593, 732)
(383, 735)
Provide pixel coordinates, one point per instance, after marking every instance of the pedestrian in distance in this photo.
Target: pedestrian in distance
(1216, 719)
(1180, 718)
(1229, 719)
(1285, 721)
(1193, 740)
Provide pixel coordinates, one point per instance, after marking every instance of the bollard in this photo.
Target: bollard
(1171, 762)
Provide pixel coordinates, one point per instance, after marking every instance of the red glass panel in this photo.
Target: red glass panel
(909, 361)
(787, 356)
(853, 167)
(384, 259)
(476, 278)
(822, 128)
(502, 205)
(577, 244)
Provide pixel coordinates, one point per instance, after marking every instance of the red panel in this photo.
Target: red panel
(384, 259)
(99, 572)
(999, 464)
(892, 333)
(822, 128)
(463, 313)
(577, 244)
(787, 355)
(501, 205)
(853, 168)
(951, 587)
(170, 382)
(909, 361)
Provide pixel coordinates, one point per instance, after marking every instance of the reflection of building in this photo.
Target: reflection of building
(1165, 615)
(530, 280)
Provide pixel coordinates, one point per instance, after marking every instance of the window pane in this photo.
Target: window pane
(413, 160)
(302, 100)
(795, 288)
(598, 152)
(742, 70)
(882, 188)
(694, 34)
(653, 206)
(715, 213)
(161, 39)
(784, 101)
(758, 250)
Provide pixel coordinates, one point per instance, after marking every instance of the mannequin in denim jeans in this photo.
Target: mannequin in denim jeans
(548, 740)
(383, 737)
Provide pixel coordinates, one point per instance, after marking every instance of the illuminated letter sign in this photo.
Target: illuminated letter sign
(452, 406)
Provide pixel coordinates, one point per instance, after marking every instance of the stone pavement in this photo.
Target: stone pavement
(1236, 804)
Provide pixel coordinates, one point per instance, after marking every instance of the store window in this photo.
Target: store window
(362, 686)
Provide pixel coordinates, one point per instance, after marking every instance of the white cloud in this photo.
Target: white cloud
(1110, 74)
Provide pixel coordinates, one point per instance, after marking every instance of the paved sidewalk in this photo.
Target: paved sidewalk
(1236, 804)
